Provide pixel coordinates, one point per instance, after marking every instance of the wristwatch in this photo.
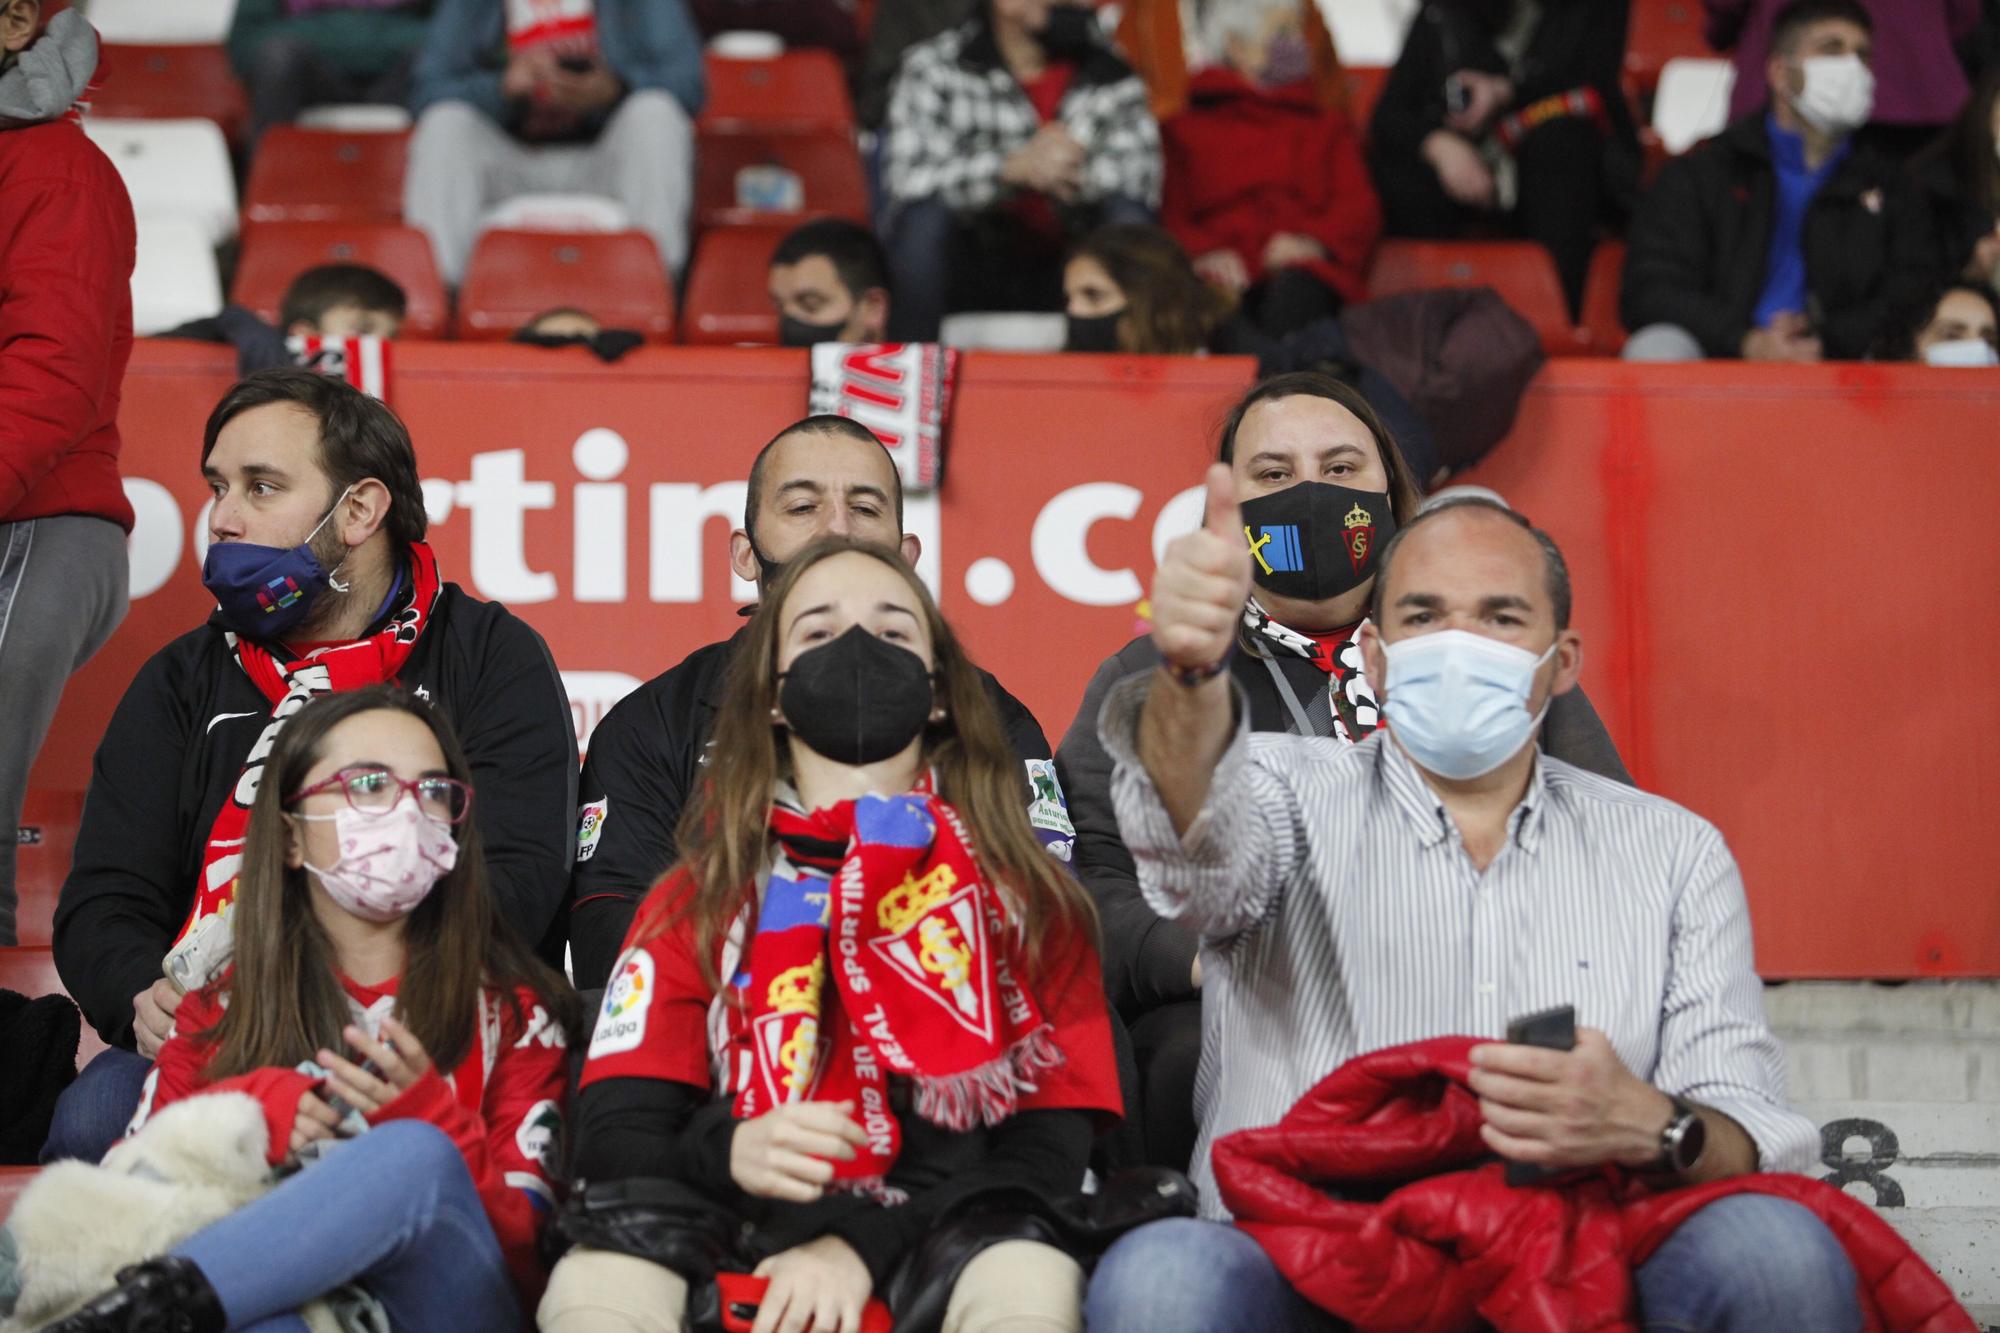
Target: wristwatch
(1682, 1141)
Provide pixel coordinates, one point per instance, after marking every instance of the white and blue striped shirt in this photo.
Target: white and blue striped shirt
(1340, 914)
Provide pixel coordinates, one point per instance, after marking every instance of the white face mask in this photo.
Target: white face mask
(389, 860)
(1962, 352)
(1458, 701)
(1839, 94)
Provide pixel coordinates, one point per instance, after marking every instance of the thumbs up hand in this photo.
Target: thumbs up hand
(1202, 582)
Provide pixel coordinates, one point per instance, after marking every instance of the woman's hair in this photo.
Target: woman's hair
(1898, 341)
(724, 833)
(1968, 145)
(1168, 308)
(285, 999)
(1405, 497)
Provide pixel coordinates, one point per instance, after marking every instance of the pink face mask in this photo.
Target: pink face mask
(389, 860)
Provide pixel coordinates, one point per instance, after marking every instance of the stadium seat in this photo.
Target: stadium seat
(14, 1179)
(356, 117)
(798, 91)
(515, 275)
(726, 298)
(169, 83)
(172, 168)
(32, 972)
(277, 252)
(1004, 331)
(1364, 89)
(825, 163)
(1520, 271)
(1692, 101)
(326, 176)
(175, 279)
(163, 22)
(41, 857)
(1659, 31)
(1603, 332)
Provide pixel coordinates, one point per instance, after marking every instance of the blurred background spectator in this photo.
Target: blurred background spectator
(1131, 288)
(829, 281)
(897, 26)
(1960, 174)
(1958, 326)
(512, 102)
(329, 301)
(1509, 115)
(569, 326)
(293, 54)
(1265, 185)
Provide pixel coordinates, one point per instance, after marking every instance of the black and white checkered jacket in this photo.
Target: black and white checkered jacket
(957, 113)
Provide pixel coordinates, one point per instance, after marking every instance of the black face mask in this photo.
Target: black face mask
(1068, 33)
(856, 700)
(795, 332)
(1315, 541)
(1092, 333)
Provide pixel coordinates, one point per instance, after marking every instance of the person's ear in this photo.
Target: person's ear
(1778, 75)
(743, 556)
(912, 549)
(1568, 662)
(1374, 661)
(18, 21)
(295, 847)
(364, 511)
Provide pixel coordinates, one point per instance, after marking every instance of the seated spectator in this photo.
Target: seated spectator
(374, 989)
(1440, 878)
(1957, 327)
(330, 301)
(855, 742)
(567, 326)
(1006, 135)
(67, 244)
(1309, 456)
(516, 99)
(1131, 288)
(323, 583)
(1786, 237)
(827, 25)
(829, 281)
(823, 476)
(1509, 114)
(1265, 185)
(1919, 85)
(1960, 174)
(294, 54)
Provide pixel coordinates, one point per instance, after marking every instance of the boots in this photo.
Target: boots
(164, 1295)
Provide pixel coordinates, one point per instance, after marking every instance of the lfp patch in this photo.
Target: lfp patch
(621, 1024)
(1048, 812)
(590, 826)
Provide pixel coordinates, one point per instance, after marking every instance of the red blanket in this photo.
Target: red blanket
(1458, 1245)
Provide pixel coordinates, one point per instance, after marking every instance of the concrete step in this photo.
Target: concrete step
(1962, 1245)
(1911, 1154)
(1866, 1006)
(1936, 1066)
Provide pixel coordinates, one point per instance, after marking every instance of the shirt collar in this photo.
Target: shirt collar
(1788, 151)
(1426, 813)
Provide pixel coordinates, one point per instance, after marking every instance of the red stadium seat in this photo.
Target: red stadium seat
(169, 82)
(1603, 331)
(41, 860)
(515, 275)
(797, 91)
(326, 176)
(14, 1179)
(1364, 85)
(277, 252)
(1659, 31)
(726, 296)
(825, 161)
(1520, 271)
(32, 972)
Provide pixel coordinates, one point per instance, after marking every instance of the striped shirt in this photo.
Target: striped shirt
(1340, 914)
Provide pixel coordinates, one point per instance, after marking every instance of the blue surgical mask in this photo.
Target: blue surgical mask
(264, 592)
(1458, 702)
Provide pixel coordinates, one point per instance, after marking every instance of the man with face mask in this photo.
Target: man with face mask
(323, 583)
(829, 282)
(1006, 135)
(1444, 877)
(825, 474)
(1787, 237)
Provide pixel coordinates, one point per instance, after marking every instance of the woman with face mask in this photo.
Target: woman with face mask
(864, 999)
(1958, 326)
(406, 1049)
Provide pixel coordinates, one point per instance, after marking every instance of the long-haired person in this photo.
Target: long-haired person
(407, 1049)
(864, 995)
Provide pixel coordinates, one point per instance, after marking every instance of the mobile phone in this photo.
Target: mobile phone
(339, 1105)
(1555, 1030)
(740, 1295)
(1457, 94)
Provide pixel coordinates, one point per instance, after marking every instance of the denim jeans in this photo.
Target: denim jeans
(92, 1112)
(393, 1209)
(1746, 1262)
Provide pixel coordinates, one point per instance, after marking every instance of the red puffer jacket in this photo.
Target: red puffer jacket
(1455, 1248)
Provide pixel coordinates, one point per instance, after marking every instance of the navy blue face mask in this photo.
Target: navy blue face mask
(264, 592)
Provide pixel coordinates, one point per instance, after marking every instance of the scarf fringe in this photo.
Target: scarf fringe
(988, 1094)
(876, 1188)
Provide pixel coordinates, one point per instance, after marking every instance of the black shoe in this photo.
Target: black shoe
(166, 1295)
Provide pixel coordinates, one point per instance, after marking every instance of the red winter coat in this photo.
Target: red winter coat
(1462, 1246)
(66, 252)
(1244, 163)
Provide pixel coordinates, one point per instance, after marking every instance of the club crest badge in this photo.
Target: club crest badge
(1360, 536)
(787, 1036)
(937, 940)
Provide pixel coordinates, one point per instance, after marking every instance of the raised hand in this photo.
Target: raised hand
(1202, 582)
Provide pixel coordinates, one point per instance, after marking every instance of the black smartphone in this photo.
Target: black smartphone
(1555, 1030)
(1457, 95)
(576, 64)
(338, 1103)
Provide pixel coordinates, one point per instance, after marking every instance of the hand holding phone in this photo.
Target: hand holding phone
(1552, 1029)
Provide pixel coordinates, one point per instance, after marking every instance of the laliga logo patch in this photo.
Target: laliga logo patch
(936, 940)
(621, 1025)
(787, 1038)
(1360, 526)
(590, 826)
(1279, 550)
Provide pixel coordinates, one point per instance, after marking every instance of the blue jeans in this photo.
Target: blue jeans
(395, 1210)
(92, 1112)
(1746, 1262)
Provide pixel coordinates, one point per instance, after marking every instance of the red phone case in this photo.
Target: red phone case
(740, 1289)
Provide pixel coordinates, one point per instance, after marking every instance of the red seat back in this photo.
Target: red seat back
(169, 83)
(1659, 31)
(41, 860)
(14, 1179)
(1364, 84)
(326, 176)
(797, 91)
(1520, 271)
(515, 275)
(278, 252)
(727, 300)
(32, 972)
(827, 164)
(1603, 331)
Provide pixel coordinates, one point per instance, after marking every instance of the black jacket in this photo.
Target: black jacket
(178, 742)
(1959, 219)
(638, 776)
(1697, 247)
(1149, 961)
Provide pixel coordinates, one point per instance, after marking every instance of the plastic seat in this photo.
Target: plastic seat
(165, 22)
(1364, 89)
(14, 1179)
(515, 275)
(1004, 331)
(172, 168)
(1692, 101)
(727, 300)
(797, 91)
(32, 972)
(175, 278)
(1661, 30)
(169, 83)
(326, 175)
(825, 164)
(1520, 271)
(1603, 332)
(49, 821)
(278, 252)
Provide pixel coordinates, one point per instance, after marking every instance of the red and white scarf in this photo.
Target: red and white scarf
(570, 26)
(290, 686)
(1356, 714)
(362, 360)
(883, 898)
(900, 391)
